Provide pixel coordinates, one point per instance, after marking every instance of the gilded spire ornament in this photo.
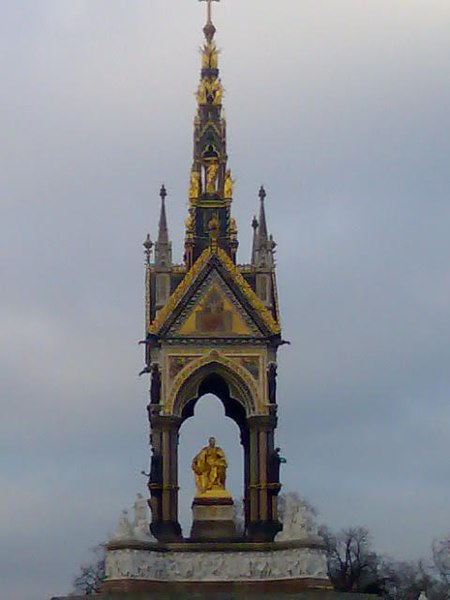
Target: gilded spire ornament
(209, 11)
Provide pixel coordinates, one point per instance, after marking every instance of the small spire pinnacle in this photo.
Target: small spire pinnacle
(148, 245)
(262, 232)
(163, 247)
(163, 235)
(255, 240)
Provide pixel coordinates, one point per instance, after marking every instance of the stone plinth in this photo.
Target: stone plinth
(213, 518)
(238, 566)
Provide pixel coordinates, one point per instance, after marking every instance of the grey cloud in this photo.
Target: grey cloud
(342, 111)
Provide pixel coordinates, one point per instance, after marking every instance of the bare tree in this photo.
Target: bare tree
(352, 564)
(405, 580)
(91, 576)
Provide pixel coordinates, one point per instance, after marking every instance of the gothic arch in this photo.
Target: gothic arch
(215, 374)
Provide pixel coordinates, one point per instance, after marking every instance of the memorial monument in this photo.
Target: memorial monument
(213, 327)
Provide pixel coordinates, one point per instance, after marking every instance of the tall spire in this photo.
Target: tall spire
(211, 183)
(163, 246)
(263, 243)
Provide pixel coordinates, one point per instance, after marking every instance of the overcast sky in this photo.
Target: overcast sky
(341, 108)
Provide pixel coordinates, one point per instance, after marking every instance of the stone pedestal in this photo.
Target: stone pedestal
(216, 566)
(213, 519)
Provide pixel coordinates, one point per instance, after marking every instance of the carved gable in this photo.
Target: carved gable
(214, 300)
(214, 311)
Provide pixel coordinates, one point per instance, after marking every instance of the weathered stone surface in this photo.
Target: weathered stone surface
(154, 565)
(139, 528)
(298, 521)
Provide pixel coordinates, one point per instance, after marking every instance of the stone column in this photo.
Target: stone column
(263, 522)
(163, 484)
(245, 441)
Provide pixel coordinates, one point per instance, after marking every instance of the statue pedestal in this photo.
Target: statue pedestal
(213, 518)
(226, 568)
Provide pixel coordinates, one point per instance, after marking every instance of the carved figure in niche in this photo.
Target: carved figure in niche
(216, 91)
(228, 185)
(272, 383)
(194, 188)
(210, 467)
(156, 468)
(189, 223)
(233, 229)
(213, 318)
(274, 463)
(202, 92)
(214, 228)
(211, 177)
(155, 389)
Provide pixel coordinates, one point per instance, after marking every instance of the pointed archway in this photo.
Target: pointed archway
(223, 378)
(209, 420)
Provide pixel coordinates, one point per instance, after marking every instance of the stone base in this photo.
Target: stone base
(230, 592)
(207, 567)
(213, 519)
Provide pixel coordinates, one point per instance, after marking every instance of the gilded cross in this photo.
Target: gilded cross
(209, 7)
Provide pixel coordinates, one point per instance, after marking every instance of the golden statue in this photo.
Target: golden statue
(209, 57)
(210, 466)
(202, 92)
(211, 177)
(216, 91)
(194, 188)
(233, 228)
(228, 185)
(189, 222)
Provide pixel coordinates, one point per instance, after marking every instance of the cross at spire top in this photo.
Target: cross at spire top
(209, 12)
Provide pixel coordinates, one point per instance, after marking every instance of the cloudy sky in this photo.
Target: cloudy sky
(341, 108)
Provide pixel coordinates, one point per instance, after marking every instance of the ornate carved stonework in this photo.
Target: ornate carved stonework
(177, 364)
(146, 564)
(251, 363)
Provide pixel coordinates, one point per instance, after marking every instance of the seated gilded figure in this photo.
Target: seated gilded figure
(210, 467)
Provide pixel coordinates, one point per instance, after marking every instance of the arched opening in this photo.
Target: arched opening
(232, 398)
(222, 379)
(210, 419)
(225, 381)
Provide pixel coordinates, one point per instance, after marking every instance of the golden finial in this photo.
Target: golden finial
(209, 29)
